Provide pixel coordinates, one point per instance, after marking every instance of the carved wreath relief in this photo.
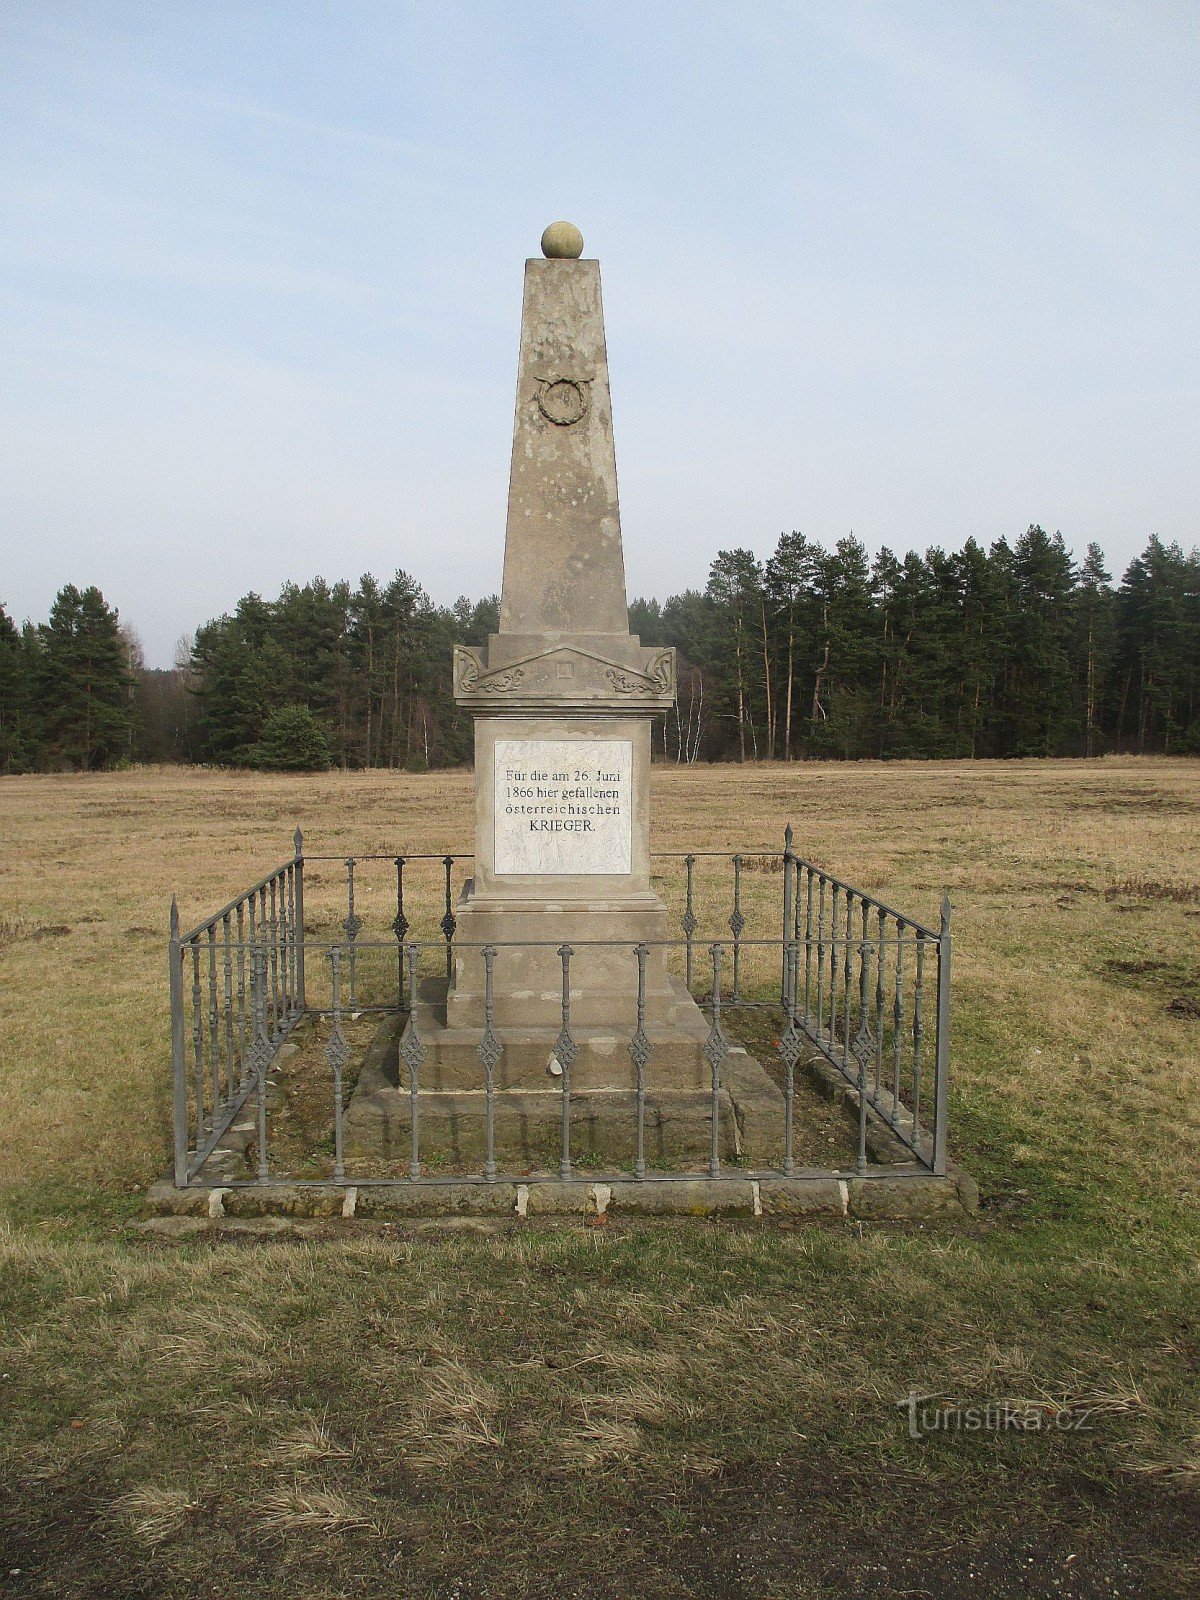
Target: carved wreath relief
(563, 401)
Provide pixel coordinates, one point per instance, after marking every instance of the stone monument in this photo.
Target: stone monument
(562, 698)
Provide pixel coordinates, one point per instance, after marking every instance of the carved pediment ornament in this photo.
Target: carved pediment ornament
(472, 678)
(655, 680)
(502, 682)
(628, 682)
(466, 671)
(661, 671)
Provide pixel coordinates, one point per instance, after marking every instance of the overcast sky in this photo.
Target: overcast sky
(914, 270)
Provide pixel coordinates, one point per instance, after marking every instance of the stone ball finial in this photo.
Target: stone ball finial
(562, 241)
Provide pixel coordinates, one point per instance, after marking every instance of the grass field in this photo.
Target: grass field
(689, 1409)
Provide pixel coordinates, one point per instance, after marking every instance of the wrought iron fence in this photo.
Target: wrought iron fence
(865, 987)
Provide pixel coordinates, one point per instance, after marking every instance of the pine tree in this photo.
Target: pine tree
(1093, 606)
(84, 687)
(735, 588)
(1158, 627)
(789, 579)
(15, 752)
(293, 740)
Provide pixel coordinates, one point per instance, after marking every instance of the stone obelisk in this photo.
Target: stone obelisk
(563, 694)
(562, 697)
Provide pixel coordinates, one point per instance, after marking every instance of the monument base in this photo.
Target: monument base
(603, 934)
(528, 1097)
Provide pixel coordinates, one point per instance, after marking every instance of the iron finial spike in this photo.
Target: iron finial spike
(174, 918)
(946, 911)
(787, 837)
(298, 841)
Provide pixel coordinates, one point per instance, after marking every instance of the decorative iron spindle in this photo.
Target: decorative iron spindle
(198, 1044)
(716, 1048)
(820, 1020)
(337, 1053)
(179, 1092)
(736, 923)
(790, 913)
(640, 1052)
(897, 1023)
(847, 992)
(214, 1034)
(263, 938)
(918, 1036)
(808, 949)
(864, 1039)
(274, 949)
(352, 928)
(243, 1016)
(227, 964)
(412, 1053)
(260, 1054)
(791, 1047)
(399, 928)
(298, 870)
(565, 1051)
(879, 1001)
(833, 963)
(448, 921)
(251, 903)
(285, 1009)
(290, 880)
(688, 920)
(489, 1050)
(941, 1088)
(864, 1043)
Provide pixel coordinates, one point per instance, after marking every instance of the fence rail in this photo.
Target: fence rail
(863, 985)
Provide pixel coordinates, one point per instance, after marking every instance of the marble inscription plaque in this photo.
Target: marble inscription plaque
(564, 806)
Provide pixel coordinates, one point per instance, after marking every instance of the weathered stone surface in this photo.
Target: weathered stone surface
(885, 1198)
(286, 1200)
(564, 571)
(968, 1190)
(893, 1198)
(164, 1199)
(787, 1197)
(696, 1197)
(528, 1127)
(379, 1202)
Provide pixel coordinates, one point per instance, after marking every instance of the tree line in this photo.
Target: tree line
(1016, 650)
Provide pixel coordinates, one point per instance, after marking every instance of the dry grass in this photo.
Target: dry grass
(1029, 851)
(155, 1513)
(537, 1402)
(307, 1510)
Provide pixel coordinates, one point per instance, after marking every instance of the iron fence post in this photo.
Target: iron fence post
(298, 840)
(942, 1069)
(178, 1066)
